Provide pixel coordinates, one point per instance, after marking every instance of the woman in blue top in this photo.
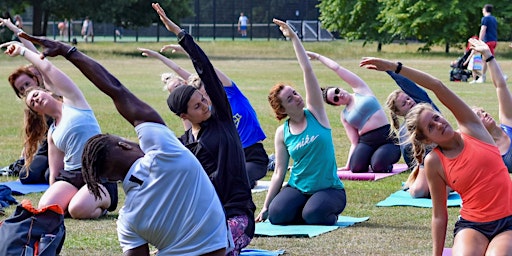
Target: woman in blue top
(244, 116)
(365, 122)
(314, 194)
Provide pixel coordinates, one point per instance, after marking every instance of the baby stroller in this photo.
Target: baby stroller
(460, 71)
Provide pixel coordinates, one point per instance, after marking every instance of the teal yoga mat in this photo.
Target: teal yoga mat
(403, 198)
(19, 188)
(267, 229)
(260, 252)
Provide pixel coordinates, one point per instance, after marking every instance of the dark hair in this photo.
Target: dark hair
(95, 155)
(488, 8)
(324, 94)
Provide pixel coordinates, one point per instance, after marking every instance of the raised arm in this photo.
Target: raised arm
(314, 98)
(502, 91)
(129, 106)
(8, 23)
(357, 84)
(467, 120)
(169, 63)
(202, 65)
(60, 83)
(224, 79)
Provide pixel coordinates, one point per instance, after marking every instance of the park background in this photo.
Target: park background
(256, 65)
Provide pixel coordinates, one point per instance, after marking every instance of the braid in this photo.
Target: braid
(94, 157)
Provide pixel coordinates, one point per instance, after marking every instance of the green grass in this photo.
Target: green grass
(255, 67)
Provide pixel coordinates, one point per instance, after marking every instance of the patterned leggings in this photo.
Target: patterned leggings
(238, 224)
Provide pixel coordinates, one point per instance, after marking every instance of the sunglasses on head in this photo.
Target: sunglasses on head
(336, 98)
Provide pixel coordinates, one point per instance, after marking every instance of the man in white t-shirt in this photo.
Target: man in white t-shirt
(242, 24)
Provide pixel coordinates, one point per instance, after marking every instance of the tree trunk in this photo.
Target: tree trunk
(379, 47)
(447, 48)
(37, 18)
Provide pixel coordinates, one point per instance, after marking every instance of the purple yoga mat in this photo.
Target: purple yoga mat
(348, 175)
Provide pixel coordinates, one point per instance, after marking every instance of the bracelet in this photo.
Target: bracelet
(181, 34)
(22, 52)
(398, 68)
(70, 51)
(490, 58)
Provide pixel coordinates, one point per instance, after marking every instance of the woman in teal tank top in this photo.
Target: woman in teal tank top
(314, 194)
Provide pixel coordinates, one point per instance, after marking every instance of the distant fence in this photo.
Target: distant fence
(307, 30)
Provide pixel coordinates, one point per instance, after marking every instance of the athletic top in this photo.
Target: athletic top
(314, 162)
(244, 116)
(218, 147)
(482, 180)
(70, 135)
(364, 108)
(491, 33)
(507, 157)
(170, 202)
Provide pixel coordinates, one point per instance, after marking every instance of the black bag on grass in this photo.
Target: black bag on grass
(30, 231)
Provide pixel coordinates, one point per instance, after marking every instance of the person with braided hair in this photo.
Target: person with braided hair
(170, 201)
(467, 160)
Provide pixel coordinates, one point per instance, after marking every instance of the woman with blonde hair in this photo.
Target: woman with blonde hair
(467, 160)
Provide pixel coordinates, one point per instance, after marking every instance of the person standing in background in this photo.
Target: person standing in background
(488, 34)
(242, 24)
(87, 30)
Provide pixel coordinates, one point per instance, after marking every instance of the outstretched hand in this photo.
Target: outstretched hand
(169, 24)
(147, 52)
(480, 46)
(285, 28)
(14, 48)
(176, 48)
(377, 64)
(52, 48)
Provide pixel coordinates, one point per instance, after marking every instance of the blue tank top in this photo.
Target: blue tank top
(74, 129)
(364, 108)
(314, 162)
(507, 157)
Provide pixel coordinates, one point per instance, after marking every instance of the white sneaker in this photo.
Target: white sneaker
(481, 79)
(473, 82)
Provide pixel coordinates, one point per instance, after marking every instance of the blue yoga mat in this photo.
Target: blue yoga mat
(19, 188)
(267, 229)
(260, 252)
(403, 198)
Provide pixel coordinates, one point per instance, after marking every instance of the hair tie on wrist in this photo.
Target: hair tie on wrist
(490, 58)
(398, 68)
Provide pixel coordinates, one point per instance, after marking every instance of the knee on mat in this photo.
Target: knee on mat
(316, 218)
(382, 168)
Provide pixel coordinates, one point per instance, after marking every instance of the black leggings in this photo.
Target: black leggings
(256, 162)
(291, 206)
(38, 171)
(376, 149)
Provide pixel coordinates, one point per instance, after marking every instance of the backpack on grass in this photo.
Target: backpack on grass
(30, 231)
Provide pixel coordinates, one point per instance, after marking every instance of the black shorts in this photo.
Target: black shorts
(488, 229)
(75, 178)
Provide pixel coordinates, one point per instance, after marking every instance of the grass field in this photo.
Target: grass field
(255, 67)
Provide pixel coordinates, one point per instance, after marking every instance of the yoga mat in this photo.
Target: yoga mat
(19, 188)
(403, 198)
(260, 252)
(267, 229)
(263, 185)
(348, 175)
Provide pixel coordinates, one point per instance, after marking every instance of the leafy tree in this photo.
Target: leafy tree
(355, 19)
